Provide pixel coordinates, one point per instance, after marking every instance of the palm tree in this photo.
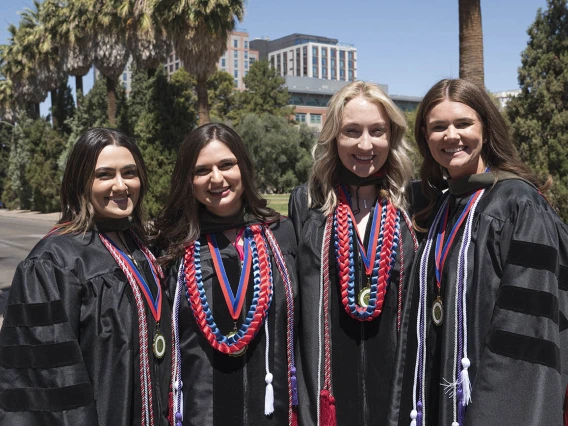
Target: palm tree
(110, 46)
(7, 103)
(471, 42)
(147, 38)
(199, 31)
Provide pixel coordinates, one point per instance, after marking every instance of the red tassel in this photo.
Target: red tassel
(327, 409)
(566, 408)
(294, 416)
(170, 408)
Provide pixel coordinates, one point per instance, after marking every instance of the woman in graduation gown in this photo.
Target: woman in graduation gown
(487, 310)
(86, 333)
(235, 289)
(355, 248)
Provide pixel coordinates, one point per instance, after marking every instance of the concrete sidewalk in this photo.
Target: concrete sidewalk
(46, 217)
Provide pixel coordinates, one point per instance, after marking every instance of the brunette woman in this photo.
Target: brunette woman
(233, 314)
(86, 336)
(486, 320)
(355, 248)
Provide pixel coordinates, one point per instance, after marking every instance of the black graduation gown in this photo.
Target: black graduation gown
(517, 303)
(219, 389)
(69, 347)
(362, 352)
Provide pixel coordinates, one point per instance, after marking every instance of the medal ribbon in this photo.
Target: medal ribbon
(367, 256)
(155, 304)
(234, 302)
(443, 250)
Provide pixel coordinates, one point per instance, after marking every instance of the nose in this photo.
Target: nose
(452, 133)
(365, 141)
(119, 184)
(216, 175)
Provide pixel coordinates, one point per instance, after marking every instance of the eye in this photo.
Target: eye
(227, 165)
(463, 125)
(351, 132)
(103, 175)
(378, 131)
(437, 128)
(201, 171)
(132, 173)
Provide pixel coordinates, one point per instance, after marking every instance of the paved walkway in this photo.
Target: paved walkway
(47, 217)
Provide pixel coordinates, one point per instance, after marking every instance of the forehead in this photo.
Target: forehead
(114, 156)
(214, 151)
(450, 110)
(361, 110)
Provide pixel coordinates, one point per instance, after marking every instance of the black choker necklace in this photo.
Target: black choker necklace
(109, 225)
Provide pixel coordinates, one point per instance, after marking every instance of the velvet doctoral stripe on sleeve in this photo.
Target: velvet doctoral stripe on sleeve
(69, 350)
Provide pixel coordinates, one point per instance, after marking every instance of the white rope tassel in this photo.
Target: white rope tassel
(466, 385)
(413, 415)
(269, 395)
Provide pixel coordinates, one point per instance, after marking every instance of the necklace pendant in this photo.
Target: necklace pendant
(364, 296)
(238, 353)
(438, 311)
(159, 345)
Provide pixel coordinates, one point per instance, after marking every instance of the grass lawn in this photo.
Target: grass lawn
(278, 202)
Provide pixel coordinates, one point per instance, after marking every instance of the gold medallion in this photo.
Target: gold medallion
(364, 296)
(239, 352)
(159, 345)
(438, 311)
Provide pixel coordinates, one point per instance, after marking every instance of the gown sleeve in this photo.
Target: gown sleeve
(522, 375)
(43, 377)
(297, 208)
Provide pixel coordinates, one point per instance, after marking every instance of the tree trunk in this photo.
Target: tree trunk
(33, 110)
(79, 89)
(202, 100)
(111, 100)
(54, 121)
(471, 42)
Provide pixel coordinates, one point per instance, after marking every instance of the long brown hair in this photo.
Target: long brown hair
(498, 151)
(178, 222)
(77, 211)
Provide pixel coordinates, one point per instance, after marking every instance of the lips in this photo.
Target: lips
(219, 191)
(453, 150)
(363, 157)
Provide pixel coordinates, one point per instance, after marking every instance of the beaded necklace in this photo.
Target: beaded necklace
(379, 258)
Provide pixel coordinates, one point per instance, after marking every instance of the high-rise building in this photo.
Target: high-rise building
(302, 55)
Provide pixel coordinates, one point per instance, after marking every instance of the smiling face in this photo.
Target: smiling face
(363, 140)
(116, 185)
(455, 137)
(217, 180)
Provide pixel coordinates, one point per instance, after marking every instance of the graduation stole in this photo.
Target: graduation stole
(256, 257)
(378, 258)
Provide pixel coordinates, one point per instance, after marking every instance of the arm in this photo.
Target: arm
(43, 378)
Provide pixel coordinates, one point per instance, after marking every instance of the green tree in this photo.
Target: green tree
(6, 131)
(199, 31)
(278, 150)
(414, 153)
(222, 94)
(64, 108)
(471, 41)
(265, 92)
(539, 115)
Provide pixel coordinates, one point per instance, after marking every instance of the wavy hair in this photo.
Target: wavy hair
(178, 222)
(77, 210)
(498, 151)
(398, 167)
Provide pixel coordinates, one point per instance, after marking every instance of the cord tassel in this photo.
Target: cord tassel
(269, 396)
(294, 384)
(327, 409)
(466, 385)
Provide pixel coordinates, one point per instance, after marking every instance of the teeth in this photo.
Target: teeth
(218, 191)
(118, 198)
(364, 157)
(453, 150)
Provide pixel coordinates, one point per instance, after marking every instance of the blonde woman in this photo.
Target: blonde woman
(355, 248)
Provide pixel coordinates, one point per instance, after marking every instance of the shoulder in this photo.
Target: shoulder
(299, 196)
(283, 230)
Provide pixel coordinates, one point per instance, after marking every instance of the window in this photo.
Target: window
(342, 54)
(177, 66)
(333, 53)
(246, 55)
(315, 71)
(301, 118)
(350, 75)
(324, 53)
(223, 62)
(171, 59)
(235, 43)
(341, 63)
(314, 50)
(324, 72)
(236, 73)
(236, 63)
(333, 62)
(341, 72)
(350, 64)
(314, 60)
(323, 62)
(315, 118)
(171, 68)
(350, 56)
(236, 82)
(252, 60)
(246, 44)
(246, 66)
(235, 54)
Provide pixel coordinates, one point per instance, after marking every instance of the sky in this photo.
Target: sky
(407, 45)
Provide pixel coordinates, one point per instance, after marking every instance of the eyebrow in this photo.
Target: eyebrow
(218, 162)
(109, 169)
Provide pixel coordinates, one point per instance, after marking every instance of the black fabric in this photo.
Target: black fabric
(34, 314)
(110, 225)
(563, 322)
(532, 302)
(505, 389)
(347, 177)
(40, 356)
(219, 389)
(362, 352)
(97, 345)
(512, 345)
(533, 255)
(50, 399)
(563, 278)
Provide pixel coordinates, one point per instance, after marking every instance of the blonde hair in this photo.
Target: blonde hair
(398, 167)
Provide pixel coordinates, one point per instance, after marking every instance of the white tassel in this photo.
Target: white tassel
(455, 424)
(413, 415)
(269, 396)
(466, 385)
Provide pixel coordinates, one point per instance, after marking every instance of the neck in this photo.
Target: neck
(368, 193)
